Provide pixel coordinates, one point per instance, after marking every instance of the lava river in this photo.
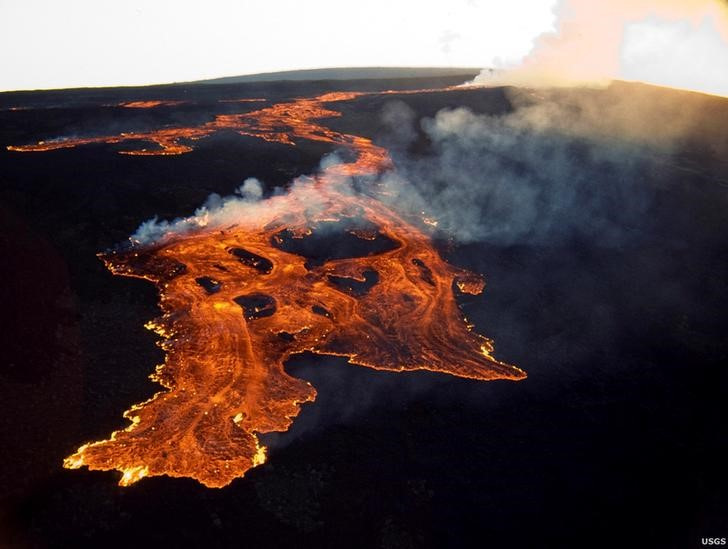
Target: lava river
(240, 295)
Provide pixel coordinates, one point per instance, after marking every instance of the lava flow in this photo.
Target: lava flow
(150, 104)
(320, 269)
(280, 123)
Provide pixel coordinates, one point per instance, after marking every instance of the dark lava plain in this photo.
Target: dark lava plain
(616, 439)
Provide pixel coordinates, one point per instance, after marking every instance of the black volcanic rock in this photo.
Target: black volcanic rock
(616, 438)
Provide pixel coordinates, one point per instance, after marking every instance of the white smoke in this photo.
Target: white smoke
(563, 164)
(677, 43)
(217, 211)
(246, 205)
(251, 189)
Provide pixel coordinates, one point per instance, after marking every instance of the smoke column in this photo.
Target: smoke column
(676, 43)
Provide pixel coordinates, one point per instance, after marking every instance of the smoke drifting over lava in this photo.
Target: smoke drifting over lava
(676, 43)
(562, 164)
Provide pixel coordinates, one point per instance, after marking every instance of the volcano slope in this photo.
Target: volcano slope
(596, 219)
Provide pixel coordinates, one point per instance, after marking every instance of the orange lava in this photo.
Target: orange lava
(239, 298)
(244, 100)
(150, 104)
(282, 123)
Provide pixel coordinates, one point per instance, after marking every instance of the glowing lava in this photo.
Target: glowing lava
(280, 123)
(150, 104)
(239, 298)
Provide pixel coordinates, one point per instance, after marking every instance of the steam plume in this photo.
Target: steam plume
(676, 43)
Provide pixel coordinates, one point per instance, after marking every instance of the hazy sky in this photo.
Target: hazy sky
(56, 43)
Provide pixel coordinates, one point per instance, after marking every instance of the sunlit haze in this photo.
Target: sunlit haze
(676, 43)
(58, 44)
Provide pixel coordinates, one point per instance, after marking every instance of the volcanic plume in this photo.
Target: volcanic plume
(675, 43)
(242, 288)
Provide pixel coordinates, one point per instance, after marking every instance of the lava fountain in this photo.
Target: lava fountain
(240, 294)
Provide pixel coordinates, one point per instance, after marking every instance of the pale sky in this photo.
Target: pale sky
(59, 44)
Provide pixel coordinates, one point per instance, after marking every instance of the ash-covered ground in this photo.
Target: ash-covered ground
(597, 218)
